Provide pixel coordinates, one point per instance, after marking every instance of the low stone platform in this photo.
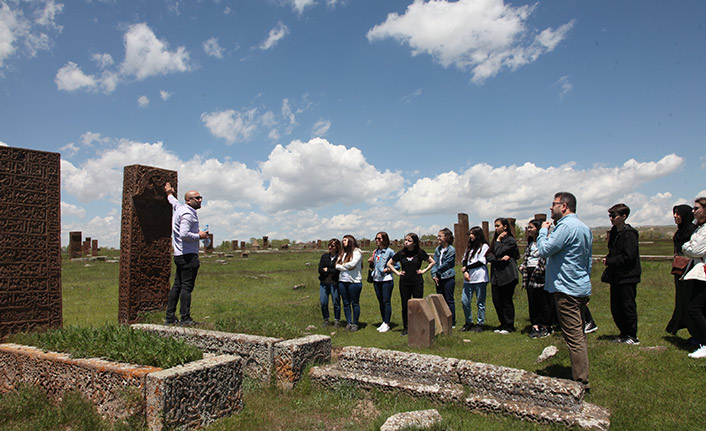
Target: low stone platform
(477, 386)
(264, 357)
(185, 396)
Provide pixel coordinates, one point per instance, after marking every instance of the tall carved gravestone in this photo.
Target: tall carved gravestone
(30, 243)
(75, 244)
(145, 241)
(461, 230)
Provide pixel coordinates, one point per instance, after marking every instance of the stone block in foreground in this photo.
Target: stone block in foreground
(292, 356)
(476, 386)
(194, 394)
(418, 418)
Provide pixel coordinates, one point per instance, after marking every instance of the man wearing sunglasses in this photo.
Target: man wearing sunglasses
(185, 240)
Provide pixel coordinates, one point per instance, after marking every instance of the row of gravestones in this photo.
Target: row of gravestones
(78, 248)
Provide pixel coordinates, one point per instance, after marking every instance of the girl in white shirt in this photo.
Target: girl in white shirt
(350, 284)
(475, 278)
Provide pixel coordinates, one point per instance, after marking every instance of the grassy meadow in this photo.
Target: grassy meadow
(651, 386)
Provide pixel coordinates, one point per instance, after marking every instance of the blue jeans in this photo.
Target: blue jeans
(324, 291)
(383, 290)
(446, 287)
(468, 290)
(350, 292)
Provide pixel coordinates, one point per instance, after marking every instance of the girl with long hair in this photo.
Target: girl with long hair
(411, 282)
(503, 274)
(475, 278)
(443, 272)
(328, 282)
(382, 278)
(538, 299)
(350, 284)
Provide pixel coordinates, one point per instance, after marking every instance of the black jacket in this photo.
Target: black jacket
(326, 262)
(623, 259)
(504, 272)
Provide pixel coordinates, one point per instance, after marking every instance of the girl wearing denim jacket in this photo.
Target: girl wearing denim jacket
(382, 278)
(443, 272)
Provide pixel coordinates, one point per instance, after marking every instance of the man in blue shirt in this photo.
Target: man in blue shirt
(568, 252)
(185, 240)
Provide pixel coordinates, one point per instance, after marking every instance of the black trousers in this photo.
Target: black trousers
(504, 306)
(540, 308)
(623, 308)
(408, 291)
(187, 267)
(697, 308)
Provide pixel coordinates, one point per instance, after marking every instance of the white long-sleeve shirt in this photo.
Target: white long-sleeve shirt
(185, 228)
(350, 271)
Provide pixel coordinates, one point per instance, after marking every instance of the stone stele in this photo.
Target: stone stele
(145, 241)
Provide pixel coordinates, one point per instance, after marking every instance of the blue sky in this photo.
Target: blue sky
(307, 119)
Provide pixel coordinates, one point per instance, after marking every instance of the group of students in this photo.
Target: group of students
(340, 272)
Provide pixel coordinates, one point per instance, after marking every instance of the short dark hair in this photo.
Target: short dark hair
(448, 235)
(568, 199)
(619, 209)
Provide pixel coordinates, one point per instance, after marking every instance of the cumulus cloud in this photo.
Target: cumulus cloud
(143, 101)
(483, 36)
(165, 95)
(276, 34)
(27, 28)
(520, 190)
(212, 48)
(300, 5)
(2, 144)
(68, 209)
(231, 125)
(145, 56)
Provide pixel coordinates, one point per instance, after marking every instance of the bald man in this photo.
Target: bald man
(185, 239)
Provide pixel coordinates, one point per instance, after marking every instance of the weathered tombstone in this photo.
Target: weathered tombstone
(242, 244)
(145, 241)
(75, 244)
(318, 243)
(255, 245)
(442, 314)
(420, 318)
(209, 248)
(234, 245)
(30, 243)
(541, 217)
(94, 247)
(486, 230)
(461, 230)
(86, 246)
(264, 242)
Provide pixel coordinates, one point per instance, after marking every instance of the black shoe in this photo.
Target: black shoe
(544, 332)
(466, 327)
(534, 333)
(189, 322)
(590, 327)
(170, 321)
(404, 332)
(478, 328)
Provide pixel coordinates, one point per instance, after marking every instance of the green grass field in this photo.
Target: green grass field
(644, 387)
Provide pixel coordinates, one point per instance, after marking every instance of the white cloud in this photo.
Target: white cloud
(231, 125)
(299, 176)
(2, 144)
(300, 5)
(146, 56)
(565, 86)
(89, 138)
(70, 78)
(143, 101)
(483, 36)
(212, 48)
(508, 191)
(276, 34)
(165, 95)
(69, 149)
(17, 32)
(102, 60)
(68, 209)
(321, 127)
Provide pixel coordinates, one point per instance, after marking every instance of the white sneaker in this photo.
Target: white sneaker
(699, 353)
(384, 328)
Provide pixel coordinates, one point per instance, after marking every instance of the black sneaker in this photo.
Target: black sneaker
(632, 341)
(544, 332)
(590, 327)
(534, 333)
(466, 327)
(404, 332)
(170, 321)
(188, 323)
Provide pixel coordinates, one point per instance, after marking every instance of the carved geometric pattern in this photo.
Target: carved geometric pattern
(30, 243)
(145, 241)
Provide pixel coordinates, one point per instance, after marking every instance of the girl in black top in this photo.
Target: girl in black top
(411, 282)
(328, 286)
(504, 274)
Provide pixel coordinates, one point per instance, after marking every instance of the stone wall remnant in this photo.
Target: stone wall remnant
(30, 243)
(145, 241)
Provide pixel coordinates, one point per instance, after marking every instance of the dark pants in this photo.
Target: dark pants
(446, 287)
(383, 290)
(540, 309)
(408, 291)
(187, 267)
(502, 301)
(697, 307)
(624, 309)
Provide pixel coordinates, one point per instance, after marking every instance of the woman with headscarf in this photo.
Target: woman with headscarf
(684, 218)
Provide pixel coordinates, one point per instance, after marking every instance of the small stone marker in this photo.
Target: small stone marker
(418, 419)
(442, 313)
(547, 353)
(421, 323)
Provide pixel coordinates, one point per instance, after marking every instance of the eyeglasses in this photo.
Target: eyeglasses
(556, 203)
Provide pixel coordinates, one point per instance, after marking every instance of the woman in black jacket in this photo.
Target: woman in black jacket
(328, 277)
(504, 274)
